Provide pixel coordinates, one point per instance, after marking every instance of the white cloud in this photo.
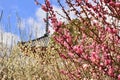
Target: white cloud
(8, 39)
(40, 14)
(38, 25)
(21, 24)
(59, 11)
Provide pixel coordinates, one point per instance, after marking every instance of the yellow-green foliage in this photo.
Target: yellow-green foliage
(21, 67)
(77, 29)
(46, 65)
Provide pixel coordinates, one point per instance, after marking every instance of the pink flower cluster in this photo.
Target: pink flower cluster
(99, 42)
(78, 49)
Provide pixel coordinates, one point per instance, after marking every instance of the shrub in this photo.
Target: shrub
(91, 41)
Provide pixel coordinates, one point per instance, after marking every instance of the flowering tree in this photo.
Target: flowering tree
(92, 40)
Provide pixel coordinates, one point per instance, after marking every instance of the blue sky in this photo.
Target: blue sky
(31, 19)
(24, 8)
(30, 15)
